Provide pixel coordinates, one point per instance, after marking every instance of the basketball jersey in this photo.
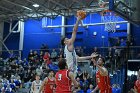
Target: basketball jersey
(103, 83)
(49, 86)
(63, 83)
(137, 85)
(71, 59)
(37, 86)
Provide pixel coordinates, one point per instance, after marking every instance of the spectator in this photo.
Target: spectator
(25, 62)
(85, 84)
(110, 54)
(30, 56)
(85, 75)
(118, 42)
(95, 50)
(11, 56)
(8, 89)
(36, 57)
(1, 88)
(1, 62)
(61, 53)
(80, 75)
(79, 51)
(79, 81)
(18, 82)
(116, 88)
(41, 57)
(122, 43)
(46, 58)
(13, 85)
(38, 71)
(90, 88)
(54, 55)
(79, 90)
(1, 65)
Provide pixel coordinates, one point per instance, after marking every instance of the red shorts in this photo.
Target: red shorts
(106, 91)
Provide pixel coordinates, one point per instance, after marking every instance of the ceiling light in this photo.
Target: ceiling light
(35, 5)
(27, 8)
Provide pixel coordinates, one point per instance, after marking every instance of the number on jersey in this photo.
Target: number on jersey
(59, 76)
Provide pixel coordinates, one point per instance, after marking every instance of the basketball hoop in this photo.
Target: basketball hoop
(110, 19)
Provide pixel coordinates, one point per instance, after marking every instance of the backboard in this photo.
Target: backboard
(127, 9)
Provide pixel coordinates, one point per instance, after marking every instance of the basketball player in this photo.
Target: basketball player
(102, 78)
(48, 83)
(36, 84)
(64, 78)
(69, 51)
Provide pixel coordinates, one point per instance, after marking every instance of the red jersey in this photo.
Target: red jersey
(49, 86)
(63, 83)
(46, 58)
(103, 83)
(137, 86)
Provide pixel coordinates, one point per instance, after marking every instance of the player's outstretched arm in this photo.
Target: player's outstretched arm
(80, 59)
(73, 37)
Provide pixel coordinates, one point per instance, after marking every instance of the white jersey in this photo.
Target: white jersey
(71, 59)
(36, 86)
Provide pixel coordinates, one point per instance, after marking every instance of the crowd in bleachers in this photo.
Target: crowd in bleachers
(16, 73)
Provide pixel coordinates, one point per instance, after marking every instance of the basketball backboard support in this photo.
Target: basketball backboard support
(127, 9)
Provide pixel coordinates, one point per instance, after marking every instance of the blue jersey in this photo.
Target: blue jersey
(17, 82)
(13, 85)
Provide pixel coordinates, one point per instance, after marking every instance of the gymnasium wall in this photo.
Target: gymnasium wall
(35, 35)
(12, 42)
(135, 30)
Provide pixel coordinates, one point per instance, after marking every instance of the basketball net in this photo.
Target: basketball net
(110, 19)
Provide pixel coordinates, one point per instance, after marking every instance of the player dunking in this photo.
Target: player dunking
(48, 84)
(69, 51)
(64, 78)
(102, 77)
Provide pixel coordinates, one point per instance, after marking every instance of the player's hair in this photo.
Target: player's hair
(103, 59)
(50, 70)
(62, 63)
(62, 41)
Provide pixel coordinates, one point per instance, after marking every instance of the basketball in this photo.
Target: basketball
(81, 13)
